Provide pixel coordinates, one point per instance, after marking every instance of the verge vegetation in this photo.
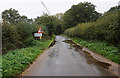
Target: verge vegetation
(103, 48)
(16, 61)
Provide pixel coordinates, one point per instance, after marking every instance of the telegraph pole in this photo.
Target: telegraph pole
(45, 7)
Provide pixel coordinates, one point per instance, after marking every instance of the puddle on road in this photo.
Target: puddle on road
(72, 44)
(89, 58)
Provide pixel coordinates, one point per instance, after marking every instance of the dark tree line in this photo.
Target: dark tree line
(80, 13)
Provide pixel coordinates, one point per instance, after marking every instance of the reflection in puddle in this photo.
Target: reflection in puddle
(72, 44)
(89, 58)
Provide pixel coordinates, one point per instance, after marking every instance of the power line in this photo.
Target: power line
(45, 7)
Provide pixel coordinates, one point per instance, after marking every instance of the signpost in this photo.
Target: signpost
(40, 30)
(39, 33)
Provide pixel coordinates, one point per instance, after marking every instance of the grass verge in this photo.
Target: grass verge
(102, 48)
(16, 61)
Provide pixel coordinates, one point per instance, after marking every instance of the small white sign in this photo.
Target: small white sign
(37, 34)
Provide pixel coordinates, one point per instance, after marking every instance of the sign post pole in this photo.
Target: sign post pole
(40, 37)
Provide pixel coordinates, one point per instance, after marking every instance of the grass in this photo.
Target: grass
(102, 48)
(16, 61)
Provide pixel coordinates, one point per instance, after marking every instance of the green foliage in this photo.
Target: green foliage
(10, 37)
(16, 36)
(103, 31)
(50, 27)
(45, 29)
(44, 19)
(53, 24)
(47, 21)
(70, 32)
(29, 41)
(58, 27)
(105, 28)
(80, 13)
(79, 30)
(16, 30)
(25, 30)
(11, 16)
(114, 8)
(16, 61)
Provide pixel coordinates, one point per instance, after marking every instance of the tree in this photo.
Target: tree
(24, 19)
(44, 19)
(47, 21)
(59, 16)
(10, 37)
(58, 23)
(16, 30)
(11, 16)
(80, 13)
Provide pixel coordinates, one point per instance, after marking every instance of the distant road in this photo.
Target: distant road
(65, 59)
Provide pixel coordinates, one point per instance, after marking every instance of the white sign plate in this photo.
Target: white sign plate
(37, 34)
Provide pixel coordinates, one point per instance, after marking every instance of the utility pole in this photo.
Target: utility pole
(0, 18)
(45, 7)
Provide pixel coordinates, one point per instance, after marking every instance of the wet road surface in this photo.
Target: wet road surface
(65, 58)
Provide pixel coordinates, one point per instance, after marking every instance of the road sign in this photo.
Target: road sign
(40, 30)
(37, 34)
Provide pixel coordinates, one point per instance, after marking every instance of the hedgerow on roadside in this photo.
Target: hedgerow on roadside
(16, 61)
(105, 28)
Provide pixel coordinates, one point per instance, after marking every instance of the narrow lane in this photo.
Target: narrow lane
(66, 59)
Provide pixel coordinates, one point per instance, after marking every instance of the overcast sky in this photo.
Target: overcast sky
(34, 8)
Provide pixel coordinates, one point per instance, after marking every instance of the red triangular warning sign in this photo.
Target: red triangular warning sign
(40, 30)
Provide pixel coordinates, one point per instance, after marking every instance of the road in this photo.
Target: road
(65, 58)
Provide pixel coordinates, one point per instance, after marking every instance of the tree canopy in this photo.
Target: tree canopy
(10, 16)
(80, 13)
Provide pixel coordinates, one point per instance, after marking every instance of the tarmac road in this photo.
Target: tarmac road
(64, 58)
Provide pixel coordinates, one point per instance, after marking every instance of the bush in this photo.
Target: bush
(106, 28)
(70, 32)
(25, 30)
(79, 30)
(16, 36)
(10, 38)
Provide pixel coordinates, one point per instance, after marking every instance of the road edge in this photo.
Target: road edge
(114, 68)
(52, 41)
